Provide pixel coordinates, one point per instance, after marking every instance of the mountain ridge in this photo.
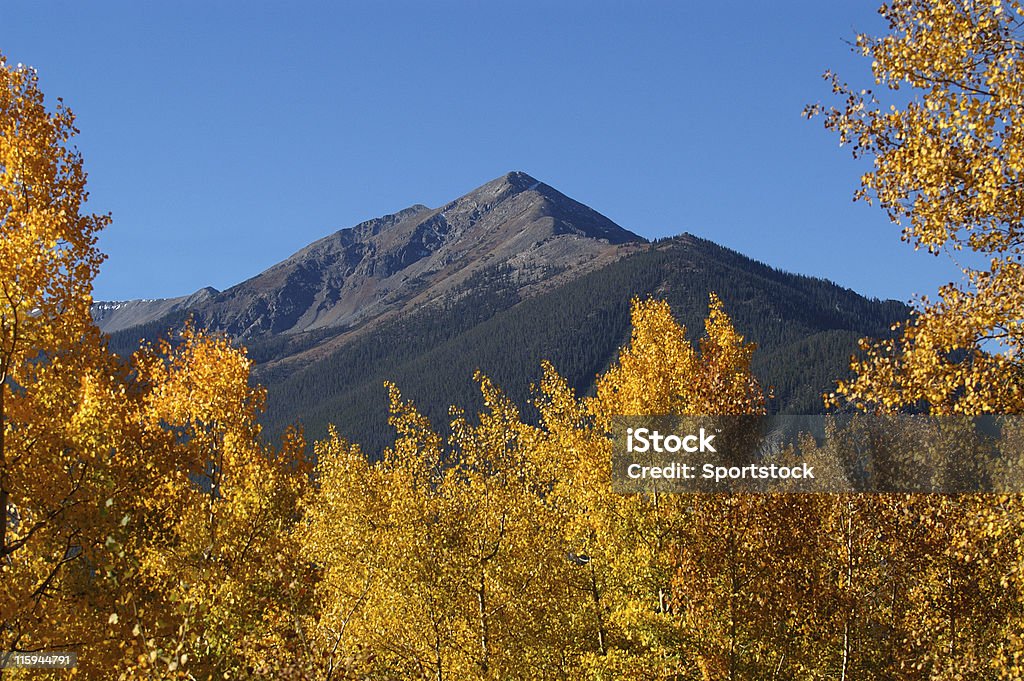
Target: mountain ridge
(496, 280)
(355, 274)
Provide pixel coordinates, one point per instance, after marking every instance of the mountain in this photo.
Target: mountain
(507, 275)
(400, 261)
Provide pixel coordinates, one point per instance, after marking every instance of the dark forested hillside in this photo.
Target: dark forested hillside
(805, 328)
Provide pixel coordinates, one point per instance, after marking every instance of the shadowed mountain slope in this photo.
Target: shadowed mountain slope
(806, 330)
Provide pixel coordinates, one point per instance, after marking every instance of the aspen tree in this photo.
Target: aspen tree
(54, 477)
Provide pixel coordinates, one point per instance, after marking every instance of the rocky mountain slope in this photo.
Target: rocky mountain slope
(400, 261)
(512, 273)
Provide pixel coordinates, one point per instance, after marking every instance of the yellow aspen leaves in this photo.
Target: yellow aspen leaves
(58, 412)
(947, 157)
(946, 160)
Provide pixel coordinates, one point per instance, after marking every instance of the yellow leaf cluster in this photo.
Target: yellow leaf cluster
(947, 162)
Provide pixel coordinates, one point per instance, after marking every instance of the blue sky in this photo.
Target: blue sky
(225, 136)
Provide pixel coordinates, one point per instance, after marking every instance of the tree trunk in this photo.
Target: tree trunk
(596, 596)
(4, 493)
(849, 586)
(484, 633)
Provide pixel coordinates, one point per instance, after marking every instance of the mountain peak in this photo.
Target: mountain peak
(508, 185)
(520, 181)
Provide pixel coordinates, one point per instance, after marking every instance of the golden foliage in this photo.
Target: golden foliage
(661, 373)
(55, 388)
(438, 560)
(144, 521)
(217, 572)
(149, 526)
(947, 155)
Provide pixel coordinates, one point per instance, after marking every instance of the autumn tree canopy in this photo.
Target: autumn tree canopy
(51, 374)
(141, 513)
(942, 128)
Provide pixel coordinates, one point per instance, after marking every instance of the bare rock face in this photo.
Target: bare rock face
(414, 257)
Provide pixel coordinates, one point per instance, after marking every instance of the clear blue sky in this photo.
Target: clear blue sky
(225, 136)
